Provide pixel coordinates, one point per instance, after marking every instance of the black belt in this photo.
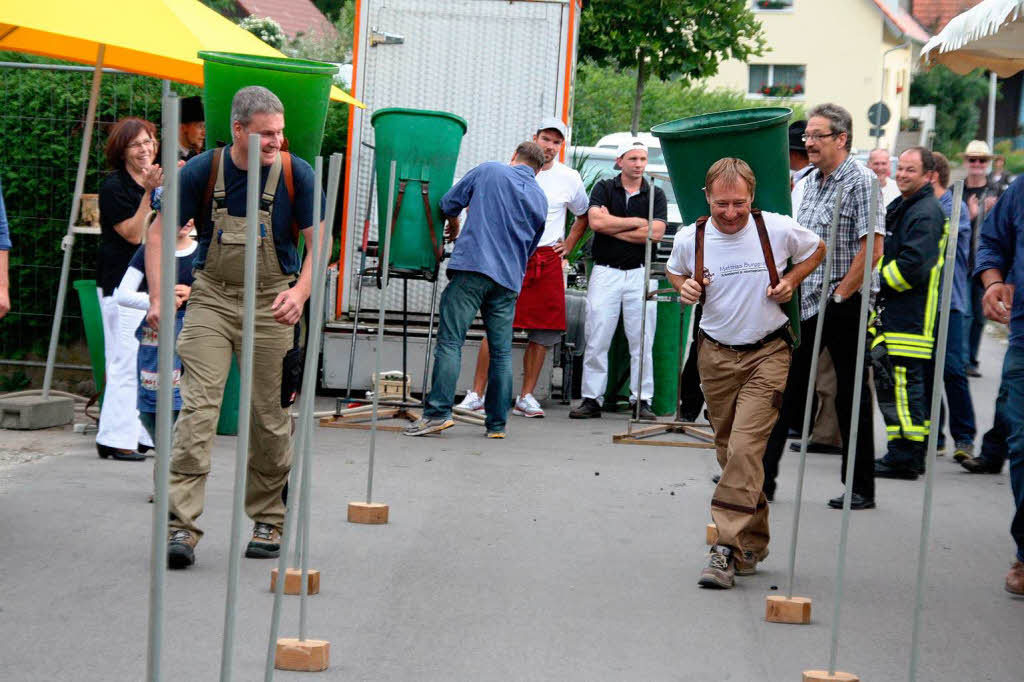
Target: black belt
(620, 267)
(782, 332)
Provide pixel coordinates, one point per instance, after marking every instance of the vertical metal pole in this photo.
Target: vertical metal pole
(430, 336)
(165, 388)
(252, 226)
(382, 263)
(826, 282)
(68, 242)
(643, 304)
(858, 385)
(685, 348)
(933, 430)
(990, 128)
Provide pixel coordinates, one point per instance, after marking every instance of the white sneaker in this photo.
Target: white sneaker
(527, 406)
(472, 402)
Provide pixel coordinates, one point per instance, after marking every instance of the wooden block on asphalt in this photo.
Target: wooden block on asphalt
(367, 512)
(293, 581)
(711, 534)
(823, 676)
(307, 655)
(779, 609)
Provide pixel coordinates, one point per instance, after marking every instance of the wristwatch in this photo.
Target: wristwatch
(837, 297)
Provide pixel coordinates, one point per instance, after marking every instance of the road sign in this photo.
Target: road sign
(877, 132)
(878, 114)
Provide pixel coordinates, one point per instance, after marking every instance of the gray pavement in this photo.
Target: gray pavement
(552, 555)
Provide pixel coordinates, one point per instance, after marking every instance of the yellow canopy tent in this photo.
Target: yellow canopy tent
(159, 38)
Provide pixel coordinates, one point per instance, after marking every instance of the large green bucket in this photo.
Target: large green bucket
(758, 136)
(92, 318)
(303, 86)
(425, 146)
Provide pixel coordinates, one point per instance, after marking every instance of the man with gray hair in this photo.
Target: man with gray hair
(213, 193)
(829, 138)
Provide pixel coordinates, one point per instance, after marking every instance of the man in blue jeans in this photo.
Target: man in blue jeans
(507, 212)
(1000, 253)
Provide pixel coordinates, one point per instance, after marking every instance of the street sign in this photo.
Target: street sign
(878, 114)
(876, 132)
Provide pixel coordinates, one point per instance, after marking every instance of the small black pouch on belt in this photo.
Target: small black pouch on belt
(291, 374)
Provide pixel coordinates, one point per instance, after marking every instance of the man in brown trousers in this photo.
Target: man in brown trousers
(745, 347)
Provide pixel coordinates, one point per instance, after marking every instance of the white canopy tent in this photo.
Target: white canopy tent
(990, 35)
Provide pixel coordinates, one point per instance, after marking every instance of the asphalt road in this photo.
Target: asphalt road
(552, 555)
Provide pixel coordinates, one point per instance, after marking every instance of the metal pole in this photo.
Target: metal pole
(382, 263)
(165, 388)
(643, 304)
(359, 278)
(990, 128)
(252, 221)
(685, 348)
(68, 242)
(430, 335)
(826, 282)
(933, 430)
(858, 385)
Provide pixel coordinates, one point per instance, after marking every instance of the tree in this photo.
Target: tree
(682, 39)
(956, 100)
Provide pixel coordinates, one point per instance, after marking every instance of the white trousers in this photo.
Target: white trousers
(119, 417)
(610, 290)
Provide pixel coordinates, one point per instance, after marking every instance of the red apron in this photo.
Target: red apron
(541, 303)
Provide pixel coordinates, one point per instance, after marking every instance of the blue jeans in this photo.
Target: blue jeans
(954, 376)
(466, 293)
(975, 323)
(1010, 408)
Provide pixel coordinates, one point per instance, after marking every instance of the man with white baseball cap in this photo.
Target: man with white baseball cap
(618, 216)
(540, 309)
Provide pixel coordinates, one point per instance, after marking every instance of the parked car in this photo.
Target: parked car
(613, 140)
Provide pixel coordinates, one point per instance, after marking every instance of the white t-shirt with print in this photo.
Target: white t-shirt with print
(563, 187)
(737, 309)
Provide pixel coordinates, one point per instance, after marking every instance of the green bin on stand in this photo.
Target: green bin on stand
(425, 146)
(758, 136)
(92, 318)
(302, 85)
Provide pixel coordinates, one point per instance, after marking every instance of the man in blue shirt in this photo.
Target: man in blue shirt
(507, 212)
(5, 246)
(998, 268)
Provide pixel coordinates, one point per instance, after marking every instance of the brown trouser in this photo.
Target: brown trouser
(826, 422)
(212, 333)
(743, 390)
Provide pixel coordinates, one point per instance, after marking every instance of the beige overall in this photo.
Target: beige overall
(211, 334)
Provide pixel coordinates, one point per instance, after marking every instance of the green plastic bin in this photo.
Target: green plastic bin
(758, 136)
(303, 86)
(425, 145)
(227, 422)
(92, 318)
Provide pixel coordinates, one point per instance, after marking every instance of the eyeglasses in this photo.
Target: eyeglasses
(975, 159)
(817, 136)
(144, 143)
(724, 205)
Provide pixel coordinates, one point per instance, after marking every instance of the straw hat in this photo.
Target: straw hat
(977, 148)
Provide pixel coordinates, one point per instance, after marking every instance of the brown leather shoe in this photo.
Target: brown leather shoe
(181, 548)
(265, 543)
(746, 563)
(1015, 579)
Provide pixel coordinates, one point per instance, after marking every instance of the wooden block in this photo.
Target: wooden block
(823, 676)
(367, 512)
(711, 534)
(307, 655)
(779, 609)
(293, 581)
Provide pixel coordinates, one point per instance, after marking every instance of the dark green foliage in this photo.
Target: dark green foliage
(956, 100)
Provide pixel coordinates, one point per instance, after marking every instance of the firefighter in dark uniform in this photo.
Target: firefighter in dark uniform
(902, 347)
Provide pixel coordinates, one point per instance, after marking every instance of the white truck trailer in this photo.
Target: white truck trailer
(503, 66)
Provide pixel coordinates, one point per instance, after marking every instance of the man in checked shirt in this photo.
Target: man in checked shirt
(828, 137)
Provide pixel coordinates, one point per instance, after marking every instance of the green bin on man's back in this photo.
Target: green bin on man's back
(758, 136)
(425, 146)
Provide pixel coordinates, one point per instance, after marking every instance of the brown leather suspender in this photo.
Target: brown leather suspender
(698, 257)
(766, 250)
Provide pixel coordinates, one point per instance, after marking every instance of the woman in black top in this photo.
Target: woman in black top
(124, 204)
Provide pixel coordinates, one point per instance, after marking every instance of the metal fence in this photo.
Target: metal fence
(42, 116)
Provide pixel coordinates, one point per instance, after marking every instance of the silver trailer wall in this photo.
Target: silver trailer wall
(500, 65)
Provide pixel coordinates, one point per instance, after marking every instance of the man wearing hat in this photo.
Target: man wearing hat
(540, 308)
(618, 216)
(192, 131)
(981, 196)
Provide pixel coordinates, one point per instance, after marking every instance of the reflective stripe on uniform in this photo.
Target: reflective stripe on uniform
(894, 278)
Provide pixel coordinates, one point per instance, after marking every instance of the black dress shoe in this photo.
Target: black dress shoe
(645, 412)
(818, 448)
(143, 449)
(125, 456)
(588, 409)
(883, 470)
(856, 502)
(980, 465)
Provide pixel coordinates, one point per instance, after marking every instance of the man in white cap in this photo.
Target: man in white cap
(981, 196)
(540, 309)
(618, 215)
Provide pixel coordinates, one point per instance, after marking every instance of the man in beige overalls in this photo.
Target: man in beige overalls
(213, 192)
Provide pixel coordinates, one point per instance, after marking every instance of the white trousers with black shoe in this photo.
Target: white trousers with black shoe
(609, 291)
(120, 426)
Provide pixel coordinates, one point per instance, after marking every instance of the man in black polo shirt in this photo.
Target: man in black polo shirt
(618, 216)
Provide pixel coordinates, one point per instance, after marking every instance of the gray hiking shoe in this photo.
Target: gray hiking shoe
(720, 571)
(426, 425)
(180, 548)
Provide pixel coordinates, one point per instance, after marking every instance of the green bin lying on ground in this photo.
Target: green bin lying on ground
(425, 146)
